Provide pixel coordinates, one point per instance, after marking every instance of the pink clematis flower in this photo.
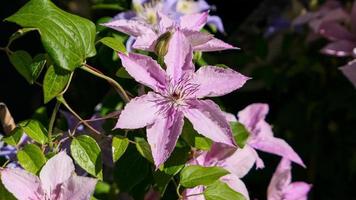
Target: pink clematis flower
(240, 161)
(261, 138)
(147, 35)
(57, 181)
(261, 135)
(281, 188)
(176, 94)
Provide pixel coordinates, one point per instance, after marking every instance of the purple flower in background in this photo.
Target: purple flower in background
(9, 152)
(176, 94)
(343, 41)
(57, 181)
(331, 10)
(281, 188)
(147, 35)
(145, 11)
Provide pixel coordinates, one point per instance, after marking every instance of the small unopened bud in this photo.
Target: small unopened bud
(161, 47)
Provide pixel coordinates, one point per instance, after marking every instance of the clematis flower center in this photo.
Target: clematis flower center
(187, 7)
(179, 92)
(148, 11)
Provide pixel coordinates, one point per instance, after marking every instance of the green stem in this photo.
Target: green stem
(51, 123)
(112, 82)
(178, 192)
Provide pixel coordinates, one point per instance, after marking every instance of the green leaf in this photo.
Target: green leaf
(68, 39)
(122, 73)
(14, 138)
(113, 43)
(4, 194)
(31, 158)
(35, 130)
(221, 191)
(119, 146)
(54, 82)
(194, 139)
(195, 175)
(144, 148)
(86, 152)
(21, 60)
(240, 133)
(37, 65)
(28, 68)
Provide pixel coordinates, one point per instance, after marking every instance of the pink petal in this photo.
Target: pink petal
(130, 27)
(334, 31)
(278, 147)
(339, 48)
(145, 42)
(252, 115)
(208, 120)
(194, 21)
(332, 14)
(78, 188)
(297, 191)
(241, 162)
(229, 117)
(349, 71)
(213, 45)
(144, 70)
(280, 180)
(192, 191)
(21, 184)
(217, 81)
(165, 23)
(57, 170)
(139, 112)
(218, 152)
(179, 57)
(163, 134)
(236, 184)
(197, 38)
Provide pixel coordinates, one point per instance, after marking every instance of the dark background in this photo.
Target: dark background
(312, 105)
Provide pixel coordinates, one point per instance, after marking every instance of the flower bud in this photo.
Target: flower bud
(161, 47)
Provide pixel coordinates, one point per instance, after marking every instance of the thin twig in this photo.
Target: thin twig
(112, 82)
(78, 117)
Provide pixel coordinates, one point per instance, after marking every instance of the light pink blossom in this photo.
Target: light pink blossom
(57, 181)
(261, 135)
(281, 188)
(176, 94)
(240, 161)
(190, 25)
